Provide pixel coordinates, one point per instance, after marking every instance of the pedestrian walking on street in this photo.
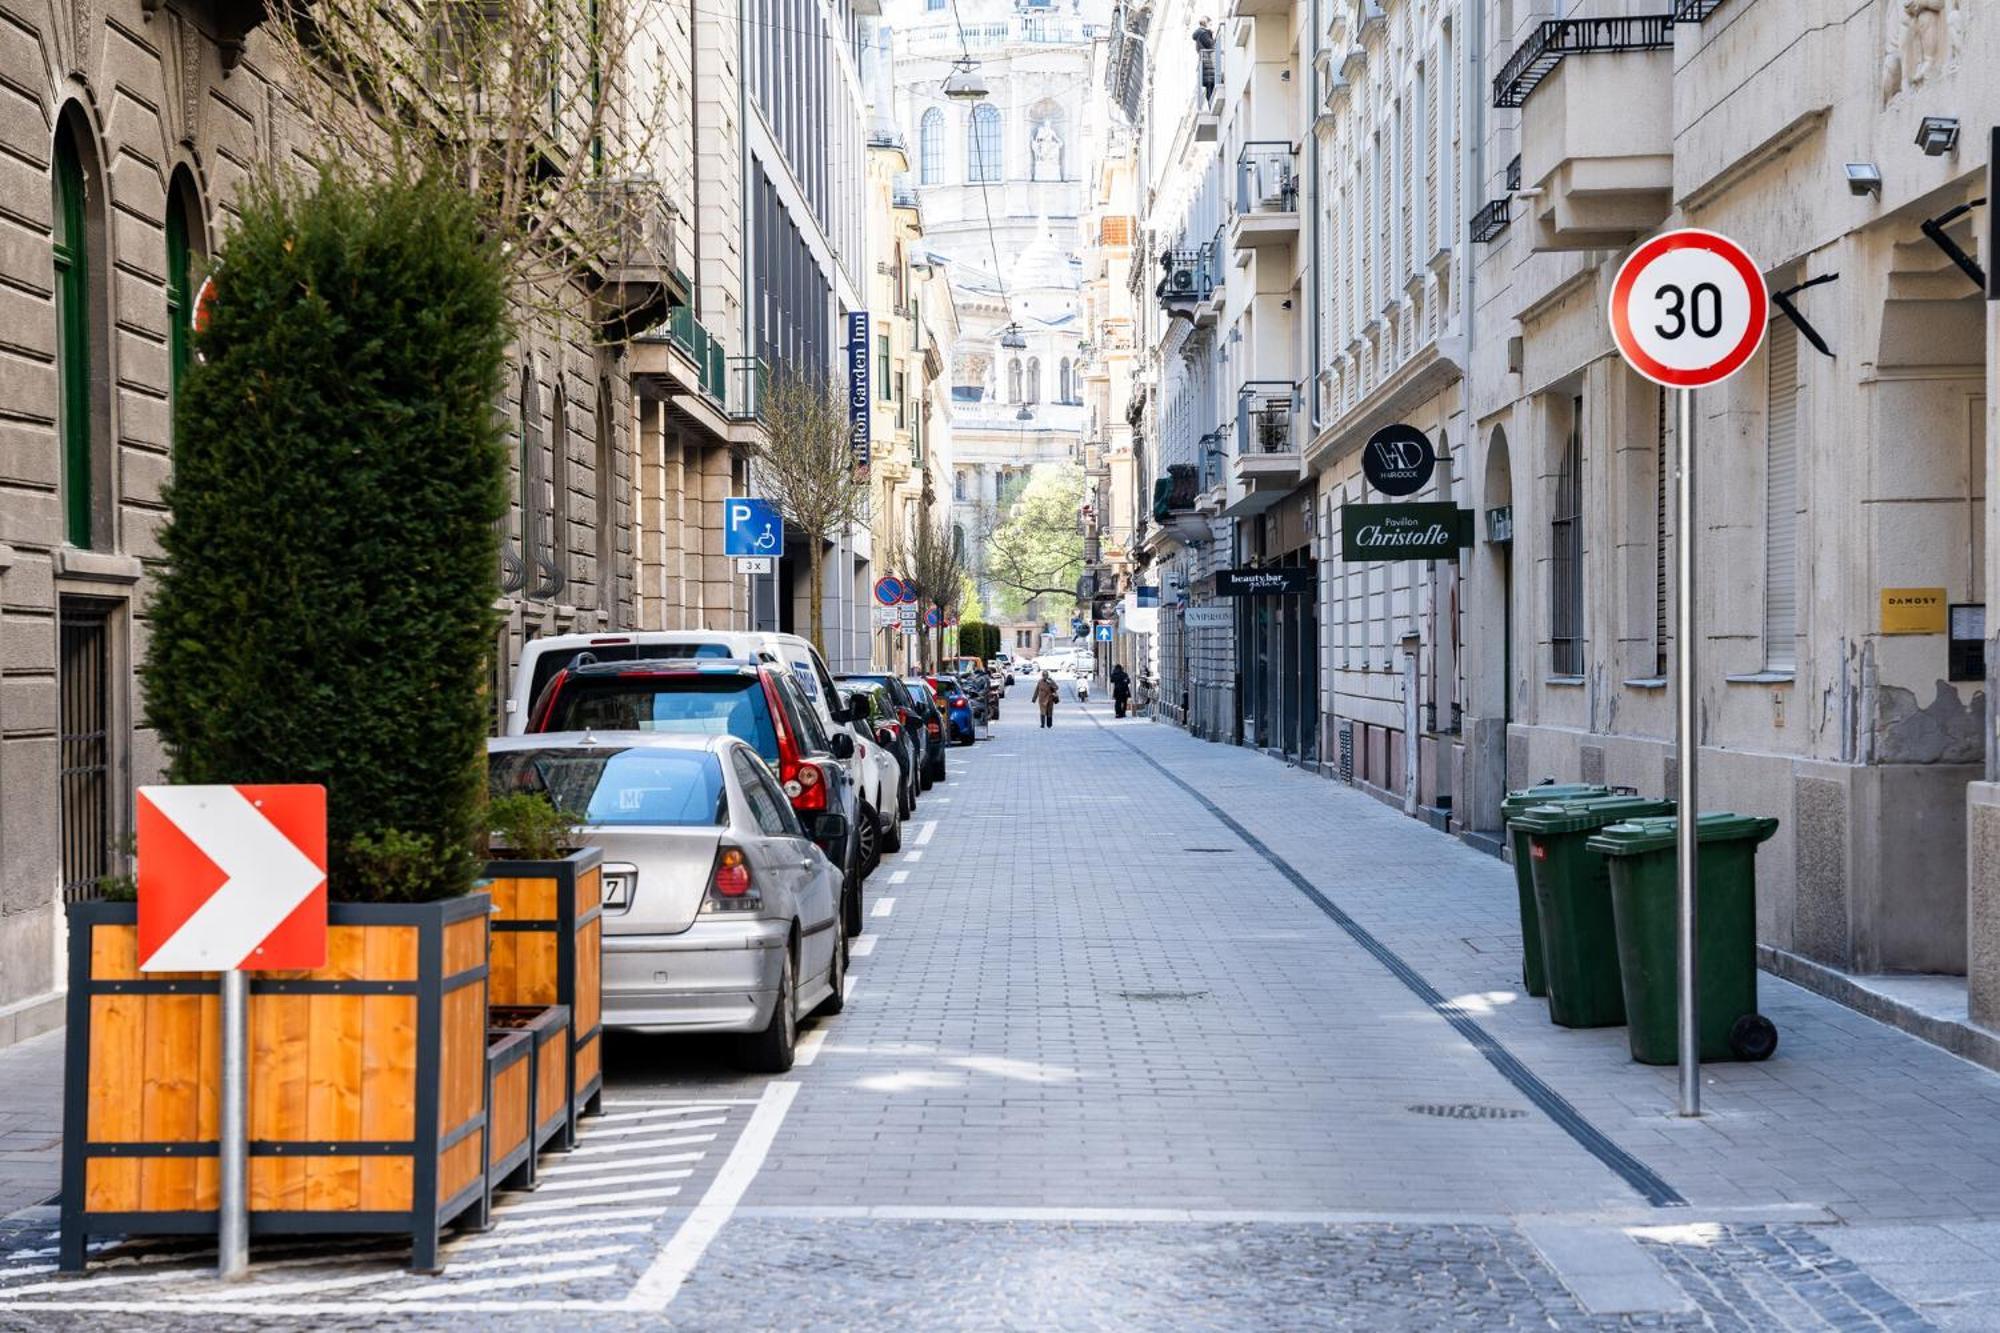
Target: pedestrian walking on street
(1046, 695)
(1121, 690)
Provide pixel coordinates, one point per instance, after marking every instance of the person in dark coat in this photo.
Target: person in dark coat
(1121, 690)
(1204, 53)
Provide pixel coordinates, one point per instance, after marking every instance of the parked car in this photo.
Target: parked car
(896, 726)
(758, 702)
(722, 912)
(881, 785)
(959, 716)
(930, 707)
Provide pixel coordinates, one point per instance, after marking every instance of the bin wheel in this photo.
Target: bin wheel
(1753, 1037)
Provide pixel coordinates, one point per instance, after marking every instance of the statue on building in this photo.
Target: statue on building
(1046, 147)
(1924, 36)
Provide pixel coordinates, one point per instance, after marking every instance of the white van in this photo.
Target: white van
(542, 658)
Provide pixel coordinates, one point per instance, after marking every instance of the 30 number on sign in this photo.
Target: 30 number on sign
(1688, 309)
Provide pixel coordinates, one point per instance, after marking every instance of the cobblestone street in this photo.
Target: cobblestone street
(1149, 1033)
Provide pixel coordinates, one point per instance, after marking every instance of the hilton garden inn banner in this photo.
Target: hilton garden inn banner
(1424, 531)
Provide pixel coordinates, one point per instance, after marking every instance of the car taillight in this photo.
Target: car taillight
(807, 788)
(730, 887)
(932, 727)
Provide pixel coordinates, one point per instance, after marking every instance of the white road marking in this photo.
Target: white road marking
(528, 1235)
(573, 1168)
(900, 877)
(912, 856)
(622, 1177)
(668, 1127)
(807, 1049)
(501, 1283)
(591, 1150)
(661, 1282)
(862, 947)
(307, 1288)
(300, 1309)
(522, 1225)
(689, 1103)
(563, 1205)
(590, 1125)
(883, 907)
(928, 829)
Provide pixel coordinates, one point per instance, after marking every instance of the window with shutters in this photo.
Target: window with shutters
(1566, 553)
(1781, 497)
(1406, 261)
(1442, 156)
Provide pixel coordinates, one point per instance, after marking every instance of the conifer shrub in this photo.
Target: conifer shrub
(326, 613)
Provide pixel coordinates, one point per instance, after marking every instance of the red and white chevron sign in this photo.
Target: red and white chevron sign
(232, 877)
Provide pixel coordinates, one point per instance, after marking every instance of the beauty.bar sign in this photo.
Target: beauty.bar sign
(1404, 531)
(857, 387)
(1274, 581)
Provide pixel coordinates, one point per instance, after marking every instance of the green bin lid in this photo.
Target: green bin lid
(1517, 801)
(1588, 814)
(1659, 833)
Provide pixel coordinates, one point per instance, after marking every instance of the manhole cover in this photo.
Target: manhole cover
(1162, 994)
(1223, 850)
(1467, 1111)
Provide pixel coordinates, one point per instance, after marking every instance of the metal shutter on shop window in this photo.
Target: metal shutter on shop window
(1781, 499)
(1433, 123)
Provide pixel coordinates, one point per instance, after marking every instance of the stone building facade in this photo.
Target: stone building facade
(133, 126)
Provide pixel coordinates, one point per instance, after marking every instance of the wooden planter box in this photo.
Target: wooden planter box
(510, 1110)
(367, 1108)
(549, 1070)
(548, 935)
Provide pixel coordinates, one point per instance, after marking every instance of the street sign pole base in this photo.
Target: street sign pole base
(232, 1240)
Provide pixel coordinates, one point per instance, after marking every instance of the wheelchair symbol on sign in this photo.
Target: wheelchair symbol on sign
(766, 540)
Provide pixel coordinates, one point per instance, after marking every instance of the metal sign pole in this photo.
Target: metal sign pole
(232, 1241)
(1687, 750)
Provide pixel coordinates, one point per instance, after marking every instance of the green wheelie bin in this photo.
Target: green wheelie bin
(1533, 975)
(1573, 899)
(1645, 904)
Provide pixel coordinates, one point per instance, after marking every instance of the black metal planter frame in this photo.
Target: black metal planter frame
(426, 1216)
(587, 1098)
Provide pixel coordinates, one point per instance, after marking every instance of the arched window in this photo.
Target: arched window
(1014, 380)
(932, 6)
(606, 482)
(1067, 392)
(1034, 385)
(930, 148)
(982, 146)
(82, 349)
(186, 239)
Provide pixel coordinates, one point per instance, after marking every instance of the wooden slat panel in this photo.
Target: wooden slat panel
(552, 1076)
(464, 945)
(111, 1184)
(458, 1166)
(587, 1055)
(117, 1048)
(114, 953)
(208, 1114)
(388, 1069)
(462, 1061)
(280, 1089)
(588, 1003)
(335, 1071)
(169, 1096)
(509, 1112)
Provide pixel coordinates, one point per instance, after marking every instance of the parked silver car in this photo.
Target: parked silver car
(720, 913)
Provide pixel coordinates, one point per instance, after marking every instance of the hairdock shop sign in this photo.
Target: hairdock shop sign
(1404, 531)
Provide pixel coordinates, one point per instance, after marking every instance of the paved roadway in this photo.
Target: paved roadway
(1147, 1033)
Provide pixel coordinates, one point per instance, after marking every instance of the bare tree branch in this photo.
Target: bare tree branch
(807, 466)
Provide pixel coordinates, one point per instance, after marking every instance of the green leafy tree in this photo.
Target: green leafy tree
(326, 612)
(1036, 548)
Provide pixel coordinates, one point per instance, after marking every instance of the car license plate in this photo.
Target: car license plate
(618, 887)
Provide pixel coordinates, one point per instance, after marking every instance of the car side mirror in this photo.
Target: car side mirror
(840, 745)
(829, 827)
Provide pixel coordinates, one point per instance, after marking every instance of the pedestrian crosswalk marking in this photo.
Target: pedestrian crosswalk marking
(561, 1205)
(611, 1117)
(665, 1159)
(427, 1291)
(620, 1176)
(352, 1280)
(672, 1126)
(597, 1149)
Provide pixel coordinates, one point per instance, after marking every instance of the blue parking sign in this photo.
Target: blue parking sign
(752, 527)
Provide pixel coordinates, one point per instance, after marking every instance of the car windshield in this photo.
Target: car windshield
(551, 660)
(640, 785)
(691, 704)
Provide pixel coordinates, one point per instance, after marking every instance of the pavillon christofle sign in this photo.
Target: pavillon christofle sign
(1404, 531)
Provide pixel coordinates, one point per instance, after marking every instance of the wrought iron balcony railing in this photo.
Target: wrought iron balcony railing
(1514, 174)
(1182, 281)
(1490, 221)
(1267, 177)
(1266, 412)
(1694, 11)
(1557, 39)
(687, 333)
(1212, 454)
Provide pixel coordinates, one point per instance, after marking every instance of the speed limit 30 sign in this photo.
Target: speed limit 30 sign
(1689, 309)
